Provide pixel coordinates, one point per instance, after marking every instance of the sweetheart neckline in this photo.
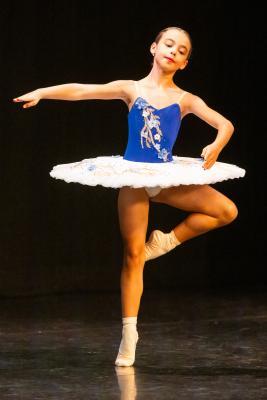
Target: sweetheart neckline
(158, 109)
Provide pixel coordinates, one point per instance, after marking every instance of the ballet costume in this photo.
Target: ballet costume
(147, 163)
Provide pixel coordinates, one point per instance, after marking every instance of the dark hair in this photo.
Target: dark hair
(159, 35)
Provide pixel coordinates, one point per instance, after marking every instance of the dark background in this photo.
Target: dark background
(59, 237)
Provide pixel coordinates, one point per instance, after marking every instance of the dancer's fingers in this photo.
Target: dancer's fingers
(30, 104)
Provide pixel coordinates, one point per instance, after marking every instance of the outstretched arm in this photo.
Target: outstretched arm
(77, 91)
(225, 128)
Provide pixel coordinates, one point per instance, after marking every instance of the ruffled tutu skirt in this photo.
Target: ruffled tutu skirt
(116, 172)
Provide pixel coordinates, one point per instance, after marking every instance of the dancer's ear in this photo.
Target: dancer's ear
(153, 48)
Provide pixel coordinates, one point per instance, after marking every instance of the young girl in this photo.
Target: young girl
(148, 171)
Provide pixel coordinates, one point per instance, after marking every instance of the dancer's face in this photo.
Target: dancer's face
(172, 50)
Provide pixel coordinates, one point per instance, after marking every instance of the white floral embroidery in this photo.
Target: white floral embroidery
(145, 113)
(163, 154)
(141, 103)
(151, 121)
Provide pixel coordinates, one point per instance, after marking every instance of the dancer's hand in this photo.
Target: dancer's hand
(210, 154)
(31, 98)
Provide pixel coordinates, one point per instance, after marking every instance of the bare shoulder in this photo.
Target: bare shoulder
(125, 89)
(122, 83)
(118, 89)
(194, 104)
(183, 97)
(121, 87)
(128, 90)
(191, 102)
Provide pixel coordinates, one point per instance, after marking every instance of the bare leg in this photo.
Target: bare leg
(133, 208)
(210, 209)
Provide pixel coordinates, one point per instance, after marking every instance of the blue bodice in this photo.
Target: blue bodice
(152, 132)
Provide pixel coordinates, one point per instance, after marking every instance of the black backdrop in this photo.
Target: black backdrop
(59, 237)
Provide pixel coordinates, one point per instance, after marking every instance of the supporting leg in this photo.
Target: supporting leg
(133, 207)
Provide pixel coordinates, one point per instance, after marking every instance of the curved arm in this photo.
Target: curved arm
(197, 106)
(225, 128)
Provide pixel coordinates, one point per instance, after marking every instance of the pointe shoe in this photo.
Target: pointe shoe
(160, 243)
(153, 247)
(127, 359)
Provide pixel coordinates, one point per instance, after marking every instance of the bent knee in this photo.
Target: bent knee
(228, 213)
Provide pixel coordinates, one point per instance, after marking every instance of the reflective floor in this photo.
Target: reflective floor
(192, 345)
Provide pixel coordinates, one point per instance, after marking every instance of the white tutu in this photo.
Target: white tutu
(115, 172)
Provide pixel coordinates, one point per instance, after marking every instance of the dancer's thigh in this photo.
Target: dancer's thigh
(195, 198)
(133, 209)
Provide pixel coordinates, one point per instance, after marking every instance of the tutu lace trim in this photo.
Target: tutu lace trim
(115, 172)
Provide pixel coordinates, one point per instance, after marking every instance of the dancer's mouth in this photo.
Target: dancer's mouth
(170, 59)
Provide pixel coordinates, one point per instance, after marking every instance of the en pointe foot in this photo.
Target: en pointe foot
(126, 354)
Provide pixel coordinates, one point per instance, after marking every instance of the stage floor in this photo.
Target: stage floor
(192, 345)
